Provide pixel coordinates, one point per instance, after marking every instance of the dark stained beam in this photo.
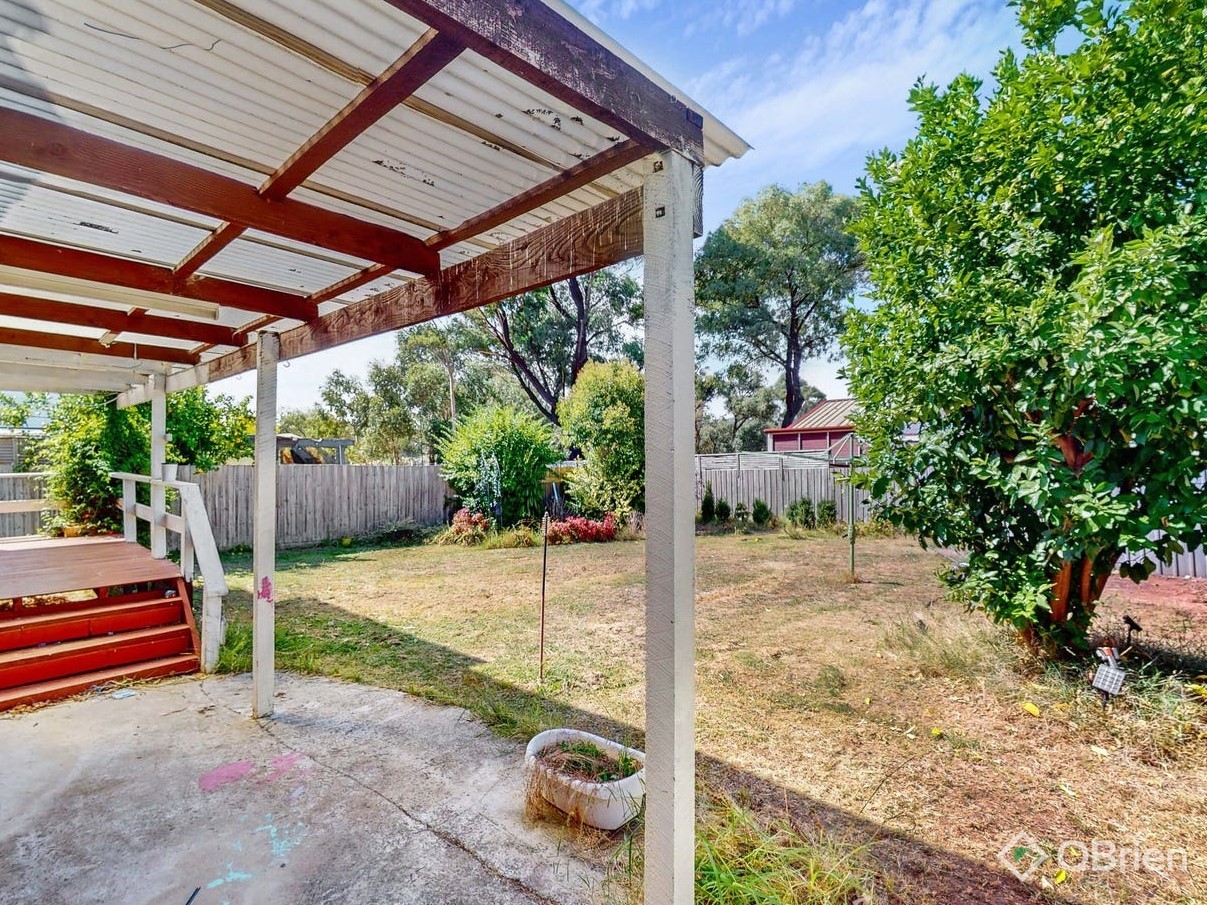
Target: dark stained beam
(89, 265)
(53, 147)
(605, 234)
(584, 173)
(427, 56)
(356, 280)
(115, 321)
(138, 351)
(533, 41)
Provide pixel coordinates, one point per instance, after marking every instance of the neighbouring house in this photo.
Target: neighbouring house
(824, 428)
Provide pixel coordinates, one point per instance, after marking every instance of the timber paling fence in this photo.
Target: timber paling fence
(318, 503)
(778, 480)
(22, 486)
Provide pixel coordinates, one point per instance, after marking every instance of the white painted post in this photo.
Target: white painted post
(670, 544)
(264, 553)
(129, 516)
(159, 441)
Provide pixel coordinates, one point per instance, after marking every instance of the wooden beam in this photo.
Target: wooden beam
(355, 281)
(605, 234)
(79, 264)
(584, 173)
(532, 40)
(36, 339)
(34, 379)
(427, 56)
(205, 250)
(264, 545)
(670, 511)
(115, 321)
(54, 147)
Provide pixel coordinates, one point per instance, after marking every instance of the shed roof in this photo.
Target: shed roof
(176, 174)
(829, 414)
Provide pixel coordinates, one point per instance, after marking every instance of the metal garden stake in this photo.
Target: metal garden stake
(544, 575)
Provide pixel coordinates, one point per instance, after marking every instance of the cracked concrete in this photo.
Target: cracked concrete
(350, 794)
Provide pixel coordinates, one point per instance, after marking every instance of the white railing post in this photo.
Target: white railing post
(159, 431)
(129, 515)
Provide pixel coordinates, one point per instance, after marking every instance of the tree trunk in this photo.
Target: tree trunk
(1076, 590)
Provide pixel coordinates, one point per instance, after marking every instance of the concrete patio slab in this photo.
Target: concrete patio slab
(350, 794)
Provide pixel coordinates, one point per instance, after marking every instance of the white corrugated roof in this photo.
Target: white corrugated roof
(238, 86)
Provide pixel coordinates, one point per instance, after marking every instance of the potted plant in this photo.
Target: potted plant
(596, 781)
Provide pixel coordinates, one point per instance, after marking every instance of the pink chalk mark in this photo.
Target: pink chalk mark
(224, 775)
(282, 765)
(265, 592)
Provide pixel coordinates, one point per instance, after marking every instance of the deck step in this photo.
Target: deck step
(50, 625)
(54, 689)
(70, 658)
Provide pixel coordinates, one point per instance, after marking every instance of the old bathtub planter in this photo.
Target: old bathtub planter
(603, 805)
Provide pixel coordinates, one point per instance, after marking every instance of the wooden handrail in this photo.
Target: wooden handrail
(196, 541)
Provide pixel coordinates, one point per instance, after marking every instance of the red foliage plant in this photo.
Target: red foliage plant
(576, 529)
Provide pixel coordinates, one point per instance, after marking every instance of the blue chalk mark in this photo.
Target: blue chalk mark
(232, 876)
(284, 839)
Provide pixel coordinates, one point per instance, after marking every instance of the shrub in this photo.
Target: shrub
(468, 528)
(708, 506)
(723, 511)
(761, 514)
(741, 513)
(604, 417)
(497, 459)
(800, 514)
(576, 529)
(827, 513)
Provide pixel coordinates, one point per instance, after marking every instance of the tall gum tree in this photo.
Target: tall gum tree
(1038, 252)
(774, 280)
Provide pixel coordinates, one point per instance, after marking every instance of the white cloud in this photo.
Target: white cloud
(843, 93)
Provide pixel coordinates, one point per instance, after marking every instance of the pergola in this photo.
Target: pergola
(191, 189)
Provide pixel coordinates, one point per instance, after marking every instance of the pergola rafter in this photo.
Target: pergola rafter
(113, 320)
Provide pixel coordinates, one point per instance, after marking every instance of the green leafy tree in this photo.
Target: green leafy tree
(747, 405)
(604, 418)
(545, 338)
(1038, 251)
(497, 458)
(87, 437)
(315, 423)
(773, 282)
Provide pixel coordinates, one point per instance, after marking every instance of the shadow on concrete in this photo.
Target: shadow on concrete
(917, 873)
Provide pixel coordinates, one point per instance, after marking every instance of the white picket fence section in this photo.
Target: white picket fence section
(22, 486)
(777, 480)
(317, 503)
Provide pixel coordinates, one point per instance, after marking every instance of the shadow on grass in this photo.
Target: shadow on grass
(318, 638)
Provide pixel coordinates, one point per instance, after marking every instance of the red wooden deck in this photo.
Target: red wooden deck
(136, 623)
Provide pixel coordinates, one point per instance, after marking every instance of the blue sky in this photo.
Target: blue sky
(813, 85)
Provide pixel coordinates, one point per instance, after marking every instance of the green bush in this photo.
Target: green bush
(741, 513)
(604, 417)
(723, 511)
(800, 514)
(497, 459)
(708, 506)
(827, 513)
(761, 514)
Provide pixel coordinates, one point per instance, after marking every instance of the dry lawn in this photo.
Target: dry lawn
(873, 713)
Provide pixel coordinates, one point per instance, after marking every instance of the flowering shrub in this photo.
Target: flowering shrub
(468, 528)
(576, 529)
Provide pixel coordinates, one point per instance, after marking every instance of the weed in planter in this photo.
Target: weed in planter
(741, 514)
(761, 514)
(588, 762)
(723, 511)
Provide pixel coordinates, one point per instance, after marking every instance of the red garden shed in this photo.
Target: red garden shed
(826, 427)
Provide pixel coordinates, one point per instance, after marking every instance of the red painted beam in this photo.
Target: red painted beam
(427, 56)
(53, 147)
(116, 321)
(90, 265)
(37, 340)
(584, 173)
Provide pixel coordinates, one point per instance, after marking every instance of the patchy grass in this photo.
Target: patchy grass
(869, 729)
